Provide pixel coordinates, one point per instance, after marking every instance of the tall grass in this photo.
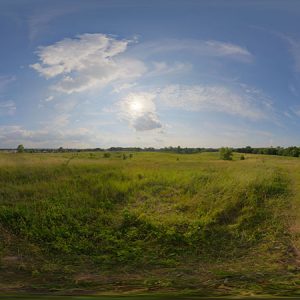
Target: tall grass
(151, 210)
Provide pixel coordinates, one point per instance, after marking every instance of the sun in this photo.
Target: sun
(136, 106)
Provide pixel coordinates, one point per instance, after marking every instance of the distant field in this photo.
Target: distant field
(156, 222)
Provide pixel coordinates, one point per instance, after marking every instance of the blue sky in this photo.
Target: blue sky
(149, 73)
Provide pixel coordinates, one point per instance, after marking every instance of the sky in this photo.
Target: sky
(103, 73)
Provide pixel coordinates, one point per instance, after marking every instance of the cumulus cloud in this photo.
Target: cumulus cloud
(7, 107)
(87, 61)
(139, 110)
(147, 121)
(249, 103)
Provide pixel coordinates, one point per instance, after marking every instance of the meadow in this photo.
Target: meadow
(91, 223)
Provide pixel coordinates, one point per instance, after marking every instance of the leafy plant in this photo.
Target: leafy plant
(225, 153)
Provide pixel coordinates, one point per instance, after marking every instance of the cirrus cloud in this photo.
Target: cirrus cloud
(245, 102)
(207, 48)
(7, 107)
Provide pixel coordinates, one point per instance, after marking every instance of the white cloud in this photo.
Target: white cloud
(87, 61)
(156, 69)
(210, 48)
(58, 121)
(48, 99)
(11, 136)
(94, 61)
(139, 110)
(7, 107)
(147, 121)
(245, 103)
(227, 49)
(162, 68)
(125, 86)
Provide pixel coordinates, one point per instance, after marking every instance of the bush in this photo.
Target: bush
(242, 157)
(225, 153)
(106, 155)
(20, 149)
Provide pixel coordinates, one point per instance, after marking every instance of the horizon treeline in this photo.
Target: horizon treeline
(293, 151)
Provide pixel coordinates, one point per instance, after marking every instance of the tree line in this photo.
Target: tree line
(293, 151)
(289, 151)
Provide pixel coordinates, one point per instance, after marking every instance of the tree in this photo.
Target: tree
(225, 153)
(248, 149)
(20, 148)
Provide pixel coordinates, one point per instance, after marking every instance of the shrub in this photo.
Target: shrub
(106, 155)
(225, 153)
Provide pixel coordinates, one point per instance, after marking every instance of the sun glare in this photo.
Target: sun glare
(136, 106)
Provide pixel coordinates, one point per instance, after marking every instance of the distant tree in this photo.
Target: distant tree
(225, 153)
(106, 155)
(20, 148)
(60, 149)
(130, 155)
(248, 149)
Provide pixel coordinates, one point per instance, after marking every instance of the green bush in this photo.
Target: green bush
(225, 153)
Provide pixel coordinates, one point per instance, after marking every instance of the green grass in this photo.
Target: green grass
(155, 222)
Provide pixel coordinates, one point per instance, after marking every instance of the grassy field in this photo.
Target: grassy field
(156, 222)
